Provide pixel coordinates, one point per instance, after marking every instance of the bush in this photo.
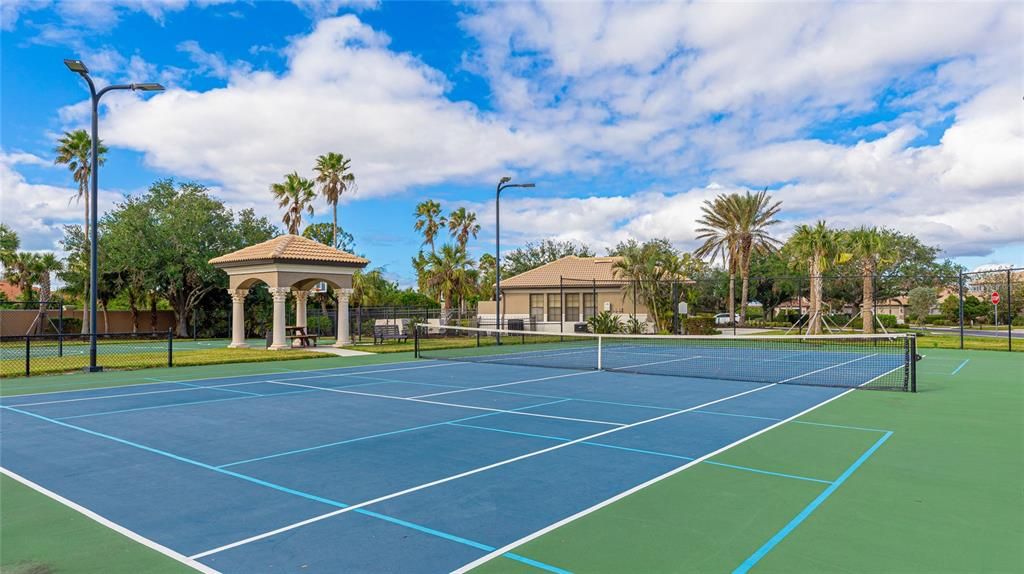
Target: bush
(634, 326)
(605, 322)
(887, 321)
(700, 326)
(71, 325)
(936, 320)
(319, 324)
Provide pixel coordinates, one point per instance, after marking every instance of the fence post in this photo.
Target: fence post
(28, 356)
(170, 347)
(60, 328)
(961, 290)
(416, 341)
(1009, 310)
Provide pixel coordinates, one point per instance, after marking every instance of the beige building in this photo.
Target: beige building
(557, 296)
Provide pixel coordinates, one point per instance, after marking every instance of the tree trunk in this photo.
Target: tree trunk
(106, 322)
(182, 328)
(152, 312)
(744, 293)
(814, 326)
(334, 230)
(44, 303)
(732, 296)
(867, 308)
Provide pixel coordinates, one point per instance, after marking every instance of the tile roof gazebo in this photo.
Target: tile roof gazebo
(287, 263)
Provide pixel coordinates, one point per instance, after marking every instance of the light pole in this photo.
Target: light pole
(78, 67)
(503, 184)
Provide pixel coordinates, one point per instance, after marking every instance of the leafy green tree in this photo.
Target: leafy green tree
(772, 284)
(21, 270)
(429, 221)
(372, 289)
(650, 268)
(333, 173)
(462, 224)
(816, 247)
(43, 267)
(9, 242)
(487, 277)
(295, 194)
(535, 254)
(920, 302)
(449, 275)
(325, 233)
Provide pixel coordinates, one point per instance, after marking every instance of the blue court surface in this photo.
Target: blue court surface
(421, 466)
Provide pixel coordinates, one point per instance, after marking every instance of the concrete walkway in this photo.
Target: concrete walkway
(337, 351)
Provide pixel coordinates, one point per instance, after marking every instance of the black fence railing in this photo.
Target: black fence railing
(27, 355)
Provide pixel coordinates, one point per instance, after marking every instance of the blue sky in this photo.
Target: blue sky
(627, 116)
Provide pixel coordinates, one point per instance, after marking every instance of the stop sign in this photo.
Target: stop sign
(995, 297)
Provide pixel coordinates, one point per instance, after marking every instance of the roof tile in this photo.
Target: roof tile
(290, 248)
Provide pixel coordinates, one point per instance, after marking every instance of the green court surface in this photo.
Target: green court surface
(925, 482)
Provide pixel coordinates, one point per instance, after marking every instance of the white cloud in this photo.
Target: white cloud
(343, 90)
(38, 212)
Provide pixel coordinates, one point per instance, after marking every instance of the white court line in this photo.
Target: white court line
(111, 525)
(637, 488)
(654, 363)
(827, 368)
(467, 389)
(467, 473)
(213, 387)
(473, 407)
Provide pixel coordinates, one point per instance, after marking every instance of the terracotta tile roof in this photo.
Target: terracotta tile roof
(10, 290)
(290, 248)
(571, 267)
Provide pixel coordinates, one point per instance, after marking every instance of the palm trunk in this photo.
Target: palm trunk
(152, 312)
(334, 230)
(744, 293)
(732, 296)
(814, 326)
(867, 309)
(106, 321)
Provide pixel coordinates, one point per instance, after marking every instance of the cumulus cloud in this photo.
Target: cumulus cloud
(343, 90)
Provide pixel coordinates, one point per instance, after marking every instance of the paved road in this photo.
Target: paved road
(1001, 334)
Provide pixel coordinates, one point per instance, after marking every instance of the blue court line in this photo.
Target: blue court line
(378, 435)
(650, 452)
(118, 411)
(781, 534)
(292, 491)
(957, 370)
(719, 413)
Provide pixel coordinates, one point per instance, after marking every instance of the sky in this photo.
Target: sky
(627, 116)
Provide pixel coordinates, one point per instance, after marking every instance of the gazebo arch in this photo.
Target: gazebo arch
(287, 263)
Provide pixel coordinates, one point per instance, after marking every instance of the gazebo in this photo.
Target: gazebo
(288, 263)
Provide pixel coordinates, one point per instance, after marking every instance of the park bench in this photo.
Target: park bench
(382, 333)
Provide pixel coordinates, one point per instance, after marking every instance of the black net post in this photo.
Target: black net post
(416, 341)
(28, 356)
(170, 347)
(961, 311)
(561, 305)
(913, 364)
(1009, 310)
(60, 328)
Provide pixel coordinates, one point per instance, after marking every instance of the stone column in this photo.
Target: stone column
(300, 307)
(238, 318)
(280, 295)
(343, 338)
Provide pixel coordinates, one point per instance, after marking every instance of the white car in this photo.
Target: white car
(723, 319)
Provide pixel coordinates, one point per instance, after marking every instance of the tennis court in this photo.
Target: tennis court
(437, 464)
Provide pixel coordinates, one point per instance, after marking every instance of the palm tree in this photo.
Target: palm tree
(720, 232)
(868, 246)
(755, 213)
(448, 274)
(74, 149)
(20, 270)
(295, 195)
(429, 221)
(42, 266)
(815, 246)
(647, 265)
(334, 177)
(461, 224)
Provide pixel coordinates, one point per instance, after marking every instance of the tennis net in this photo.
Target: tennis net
(885, 362)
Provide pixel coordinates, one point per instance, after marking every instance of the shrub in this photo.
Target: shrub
(605, 322)
(887, 321)
(634, 326)
(699, 326)
(71, 325)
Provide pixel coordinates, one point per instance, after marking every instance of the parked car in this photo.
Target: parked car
(723, 319)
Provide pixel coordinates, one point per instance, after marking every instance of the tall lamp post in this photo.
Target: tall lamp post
(503, 184)
(78, 67)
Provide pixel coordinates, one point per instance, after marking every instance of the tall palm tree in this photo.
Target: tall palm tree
(754, 214)
(334, 177)
(869, 247)
(462, 224)
(295, 195)
(43, 266)
(449, 275)
(647, 267)
(20, 269)
(74, 149)
(720, 232)
(429, 221)
(816, 247)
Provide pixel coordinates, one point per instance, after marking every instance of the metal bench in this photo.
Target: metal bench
(382, 333)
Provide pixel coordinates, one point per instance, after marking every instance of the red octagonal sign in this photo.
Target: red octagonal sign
(995, 297)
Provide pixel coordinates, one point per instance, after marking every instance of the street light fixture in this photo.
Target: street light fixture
(503, 184)
(79, 67)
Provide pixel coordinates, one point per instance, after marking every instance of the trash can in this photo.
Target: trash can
(515, 325)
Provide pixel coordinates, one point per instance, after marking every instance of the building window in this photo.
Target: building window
(589, 305)
(554, 306)
(537, 306)
(572, 307)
